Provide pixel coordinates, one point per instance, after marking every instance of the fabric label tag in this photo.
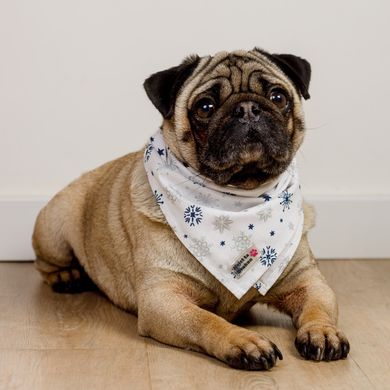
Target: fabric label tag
(243, 263)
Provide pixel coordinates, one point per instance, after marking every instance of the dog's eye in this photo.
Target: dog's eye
(205, 108)
(278, 98)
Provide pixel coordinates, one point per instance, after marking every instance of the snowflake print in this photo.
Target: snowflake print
(238, 203)
(171, 196)
(241, 242)
(251, 226)
(222, 243)
(268, 256)
(168, 164)
(257, 286)
(193, 215)
(205, 199)
(266, 197)
(148, 151)
(200, 248)
(286, 199)
(222, 223)
(272, 233)
(265, 214)
(159, 197)
(160, 152)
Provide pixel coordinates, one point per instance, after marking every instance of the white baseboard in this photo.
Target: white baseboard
(347, 227)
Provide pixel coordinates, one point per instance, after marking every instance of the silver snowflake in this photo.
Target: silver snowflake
(241, 242)
(171, 196)
(238, 203)
(200, 248)
(222, 223)
(168, 164)
(265, 214)
(206, 199)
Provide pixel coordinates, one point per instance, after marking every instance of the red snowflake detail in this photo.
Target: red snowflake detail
(253, 252)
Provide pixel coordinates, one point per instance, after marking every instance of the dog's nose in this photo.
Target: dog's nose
(247, 111)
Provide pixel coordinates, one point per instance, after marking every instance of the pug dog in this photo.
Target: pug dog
(235, 120)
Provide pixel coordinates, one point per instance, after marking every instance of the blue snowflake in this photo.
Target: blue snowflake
(286, 199)
(193, 215)
(222, 243)
(148, 151)
(185, 236)
(160, 152)
(271, 233)
(251, 226)
(281, 220)
(268, 256)
(266, 197)
(159, 197)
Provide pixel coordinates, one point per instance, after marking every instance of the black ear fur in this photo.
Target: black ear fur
(163, 87)
(297, 69)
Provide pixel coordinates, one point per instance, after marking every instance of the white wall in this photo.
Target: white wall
(71, 94)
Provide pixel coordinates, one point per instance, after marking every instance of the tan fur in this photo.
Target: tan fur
(109, 221)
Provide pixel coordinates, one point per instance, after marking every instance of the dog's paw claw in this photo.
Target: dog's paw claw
(250, 351)
(318, 342)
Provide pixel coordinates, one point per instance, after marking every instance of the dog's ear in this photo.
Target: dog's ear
(163, 87)
(297, 69)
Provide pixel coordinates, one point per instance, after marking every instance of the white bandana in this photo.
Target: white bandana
(245, 238)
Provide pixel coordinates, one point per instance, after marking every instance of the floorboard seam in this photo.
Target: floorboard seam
(148, 365)
(362, 371)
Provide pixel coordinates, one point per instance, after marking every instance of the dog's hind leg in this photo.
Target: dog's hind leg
(55, 259)
(71, 280)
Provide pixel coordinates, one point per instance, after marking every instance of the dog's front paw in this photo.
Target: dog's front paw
(321, 342)
(247, 350)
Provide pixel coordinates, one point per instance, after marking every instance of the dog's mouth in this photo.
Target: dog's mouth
(248, 176)
(247, 162)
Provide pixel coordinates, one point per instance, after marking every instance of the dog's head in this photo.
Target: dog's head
(235, 117)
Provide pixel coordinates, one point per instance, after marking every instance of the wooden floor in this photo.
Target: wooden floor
(53, 341)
